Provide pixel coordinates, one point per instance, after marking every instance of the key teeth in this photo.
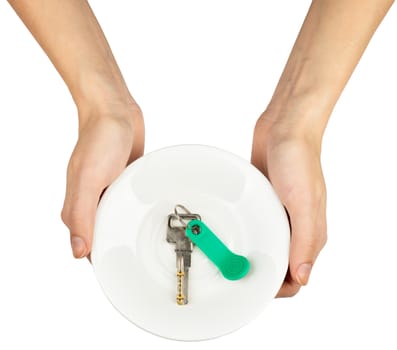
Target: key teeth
(180, 300)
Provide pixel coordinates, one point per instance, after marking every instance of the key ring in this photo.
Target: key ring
(182, 218)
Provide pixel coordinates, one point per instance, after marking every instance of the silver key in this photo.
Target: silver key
(183, 250)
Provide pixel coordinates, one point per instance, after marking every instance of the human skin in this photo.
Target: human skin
(111, 128)
(287, 136)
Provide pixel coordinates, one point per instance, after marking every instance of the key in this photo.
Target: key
(183, 250)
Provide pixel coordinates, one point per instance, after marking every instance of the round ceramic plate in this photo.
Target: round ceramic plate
(136, 267)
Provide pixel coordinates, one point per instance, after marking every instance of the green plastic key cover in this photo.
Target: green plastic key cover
(232, 266)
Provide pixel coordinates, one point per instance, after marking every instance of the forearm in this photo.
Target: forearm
(332, 39)
(73, 40)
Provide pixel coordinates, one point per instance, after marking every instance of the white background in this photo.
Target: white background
(202, 72)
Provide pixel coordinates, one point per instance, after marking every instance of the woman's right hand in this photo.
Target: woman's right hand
(110, 138)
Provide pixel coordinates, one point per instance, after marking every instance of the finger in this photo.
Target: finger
(82, 196)
(308, 236)
(289, 287)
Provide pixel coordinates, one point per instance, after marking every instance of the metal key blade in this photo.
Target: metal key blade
(185, 285)
(183, 250)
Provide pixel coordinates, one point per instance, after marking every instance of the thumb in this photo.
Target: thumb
(83, 191)
(308, 237)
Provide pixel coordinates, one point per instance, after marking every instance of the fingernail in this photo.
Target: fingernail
(78, 246)
(303, 273)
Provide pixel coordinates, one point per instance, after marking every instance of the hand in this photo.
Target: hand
(291, 161)
(108, 142)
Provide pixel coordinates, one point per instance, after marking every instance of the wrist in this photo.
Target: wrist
(93, 87)
(103, 96)
(302, 117)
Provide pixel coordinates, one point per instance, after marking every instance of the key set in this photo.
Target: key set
(183, 249)
(185, 230)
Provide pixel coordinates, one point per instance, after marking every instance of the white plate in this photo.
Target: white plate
(136, 266)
